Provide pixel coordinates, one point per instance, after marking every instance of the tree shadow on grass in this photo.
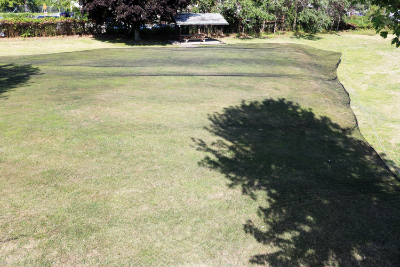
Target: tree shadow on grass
(329, 199)
(12, 76)
(391, 164)
(130, 41)
(310, 37)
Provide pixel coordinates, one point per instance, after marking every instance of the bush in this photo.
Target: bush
(313, 21)
(27, 27)
(362, 22)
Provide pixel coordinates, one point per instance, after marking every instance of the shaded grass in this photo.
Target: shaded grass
(326, 198)
(98, 166)
(12, 76)
(130, 41)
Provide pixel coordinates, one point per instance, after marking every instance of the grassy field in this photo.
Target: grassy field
(236, 155)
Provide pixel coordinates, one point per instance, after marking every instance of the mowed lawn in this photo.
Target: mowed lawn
(158, 156)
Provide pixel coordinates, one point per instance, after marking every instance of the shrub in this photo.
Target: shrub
(313, 21)
(362, 22)
(27, 27)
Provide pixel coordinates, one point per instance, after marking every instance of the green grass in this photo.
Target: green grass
(105, 159)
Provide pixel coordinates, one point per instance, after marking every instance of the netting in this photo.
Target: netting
(303, 74)
(294, 66)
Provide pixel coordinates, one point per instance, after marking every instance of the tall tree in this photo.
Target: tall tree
(131, 13)
(10, 3)
(247, 13)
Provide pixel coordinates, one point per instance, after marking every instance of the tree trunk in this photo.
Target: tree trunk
(295, 15)
(137, 33)
(337, 28)
(263, 27)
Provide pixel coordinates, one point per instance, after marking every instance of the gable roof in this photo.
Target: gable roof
(200, 19)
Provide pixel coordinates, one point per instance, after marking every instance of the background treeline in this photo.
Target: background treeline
(244, 17)
(257, 16)
(36, 6)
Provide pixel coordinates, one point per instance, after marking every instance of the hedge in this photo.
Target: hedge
(28, 27)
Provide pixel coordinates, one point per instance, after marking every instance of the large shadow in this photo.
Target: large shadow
(391, 164)
(12, 76)
(130, 41)
(329, 199)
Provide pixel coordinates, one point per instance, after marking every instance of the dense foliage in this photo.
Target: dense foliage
(131, 14)
(308, 15)
(361, 22)
(388, 20)
(25, 27)
(35, 5)
(10, 3)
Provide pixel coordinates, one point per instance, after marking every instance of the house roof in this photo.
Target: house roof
(200, 19)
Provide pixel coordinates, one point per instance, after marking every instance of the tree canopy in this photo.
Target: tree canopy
(10, 3)
(131, 13)
(310, 15)
(32, 4)
(389, 20)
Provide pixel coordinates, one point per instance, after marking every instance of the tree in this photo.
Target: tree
(26, 3)
(339, 8)
(247, 13)
(57, 3)
(10, 3)
(388, 19)
(131, 13)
